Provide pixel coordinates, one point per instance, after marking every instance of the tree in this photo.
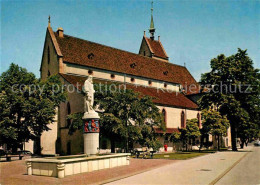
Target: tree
(234, 85)
(246, 129)
(191, 132)
(28, 105)
(175, 137)
(127, 116)
(214, 124)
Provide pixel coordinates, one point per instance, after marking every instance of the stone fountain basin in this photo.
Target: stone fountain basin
(74, 164)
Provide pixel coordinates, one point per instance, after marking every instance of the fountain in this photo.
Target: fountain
(90, 161)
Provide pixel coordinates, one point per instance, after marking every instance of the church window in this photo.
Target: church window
(49, 57)
(199, 120)
(132, 79)
(164, 115)
(113, 76)
(68, 113)
(90, 72)
(182, 119)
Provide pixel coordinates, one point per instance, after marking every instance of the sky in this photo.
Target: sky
(192, 31)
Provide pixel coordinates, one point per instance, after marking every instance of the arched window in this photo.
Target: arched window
(199, 120)
(68, 113)
(49, 56)
(164, 115)
(182, 119)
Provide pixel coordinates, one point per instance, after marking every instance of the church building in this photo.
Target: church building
(149, 72)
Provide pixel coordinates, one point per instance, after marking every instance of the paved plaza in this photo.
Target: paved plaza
(217, 168)
(14, 173)
(202, 170)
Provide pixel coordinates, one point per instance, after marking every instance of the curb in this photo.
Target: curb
(227, 170)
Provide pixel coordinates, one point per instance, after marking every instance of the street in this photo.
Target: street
(247, 171)
(207, 169)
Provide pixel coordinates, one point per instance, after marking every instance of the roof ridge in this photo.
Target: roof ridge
(149, 46)
(163, 49)
(154, 59)
(54, 40)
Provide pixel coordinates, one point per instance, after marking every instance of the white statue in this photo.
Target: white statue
(89, 91)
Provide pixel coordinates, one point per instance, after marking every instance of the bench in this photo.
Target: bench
(8, 157)
(145, 152)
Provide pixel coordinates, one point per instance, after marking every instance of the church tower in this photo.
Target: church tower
(152, 29)
(151, 47)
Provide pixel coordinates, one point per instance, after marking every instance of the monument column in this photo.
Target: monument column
(91, 134)
(90, 119)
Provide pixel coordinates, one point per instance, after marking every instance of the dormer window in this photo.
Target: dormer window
(133, 65)
(165, 73)
(90, 56)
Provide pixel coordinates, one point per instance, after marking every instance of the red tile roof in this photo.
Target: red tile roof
(160, 97)
(156, 48)
(86, 53)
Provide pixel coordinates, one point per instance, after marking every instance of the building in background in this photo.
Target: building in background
(148, 72)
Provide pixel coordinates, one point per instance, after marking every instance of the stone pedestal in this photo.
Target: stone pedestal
(91, 143)
(29, 168)
(91, 133)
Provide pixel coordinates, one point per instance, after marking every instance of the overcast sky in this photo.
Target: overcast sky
(192, 31)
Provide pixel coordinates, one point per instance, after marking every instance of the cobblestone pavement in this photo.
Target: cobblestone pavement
(14, 172)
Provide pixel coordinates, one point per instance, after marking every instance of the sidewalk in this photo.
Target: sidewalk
(14, 173)
(202, 170)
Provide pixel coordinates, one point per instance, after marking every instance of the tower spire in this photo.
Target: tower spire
(152, 29)
(49, 21)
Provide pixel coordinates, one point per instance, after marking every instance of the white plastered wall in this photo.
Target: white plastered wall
(119, 77)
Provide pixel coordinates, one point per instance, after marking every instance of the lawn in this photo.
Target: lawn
(181, 155)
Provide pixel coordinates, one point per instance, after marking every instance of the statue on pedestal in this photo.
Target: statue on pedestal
(90, 119)
(89, 91)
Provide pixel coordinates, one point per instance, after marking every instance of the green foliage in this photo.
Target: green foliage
(127, 116)
(191, 131)
(180, 155)
(192, 128)
(213, 123)
(234, 89)
(175, 137)
(27, 104)
(77, 122)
